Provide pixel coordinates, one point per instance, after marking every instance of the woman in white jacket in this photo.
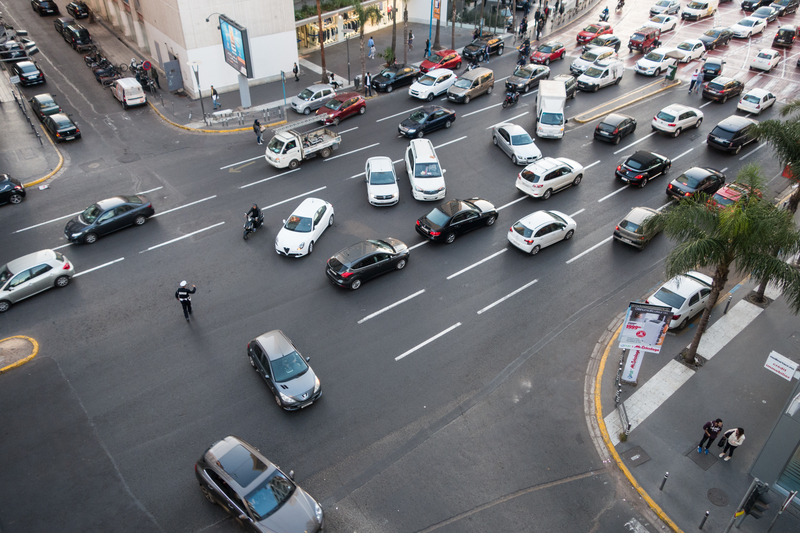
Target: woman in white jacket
(735, 438)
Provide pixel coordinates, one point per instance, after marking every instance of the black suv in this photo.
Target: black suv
(785, 7)
(45, 7)
(11, 190)
(77, 36)
(61, 24)
(642, 166)
(712, 68)
(722, 88)
(477, 48)
(79, 10)
(732, 134)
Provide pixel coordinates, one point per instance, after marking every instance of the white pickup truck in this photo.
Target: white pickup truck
(289, 146)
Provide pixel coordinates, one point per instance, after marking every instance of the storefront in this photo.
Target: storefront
(337, 24)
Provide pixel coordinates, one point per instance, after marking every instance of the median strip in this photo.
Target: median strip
(626, 104)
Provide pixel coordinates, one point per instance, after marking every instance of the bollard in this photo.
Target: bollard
(725, 312)
(663, 481)
(703, 521)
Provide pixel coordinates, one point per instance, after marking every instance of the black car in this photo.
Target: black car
(609, 40)
(62, 22)
(614, 127)
(365, 260)
(722, 88)
(526, 77)
(477, 48)
(718, 36)
(426, 120)
(712, 68)
(570, 84)
(785, 36)
(752, 5)
(11, 190)
(44, 7)
(79, 10)
(28, 72)
(391, 78)
(107, 216)
(455, 217)
(77, 36)
(696, 181)
(732, 134)
(61, 127)
(643, 166)
(785, 7)
(766, 13)
(44, 105)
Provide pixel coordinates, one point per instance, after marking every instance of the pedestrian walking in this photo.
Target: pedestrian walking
(537, 15)
(538, 29)
(410, 39)
(427, 48)
(527, 8)
(368, 85)
(695, 80)
(710, 431)
(258, 128)
(733, 438)
(215, 97)
(486, 53)
(184, 296)
(295, 70)
(370, 42)
(372, 52)
(154, 75)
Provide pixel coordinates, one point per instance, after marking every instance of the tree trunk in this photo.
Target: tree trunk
(720, 278)
(436, 45)
(514, 19)
(480, 22)
(405, 32)
(321, 43)
(363, 55)
(394, 28)
(453, 22)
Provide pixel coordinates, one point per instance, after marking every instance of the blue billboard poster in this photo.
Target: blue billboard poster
(236, 46)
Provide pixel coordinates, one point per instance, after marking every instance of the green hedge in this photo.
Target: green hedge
(328, 5)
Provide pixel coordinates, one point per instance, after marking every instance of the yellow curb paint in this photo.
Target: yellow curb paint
(626, 104)
(187, 128)
(58, 167)
(21, 361)
(617, 459)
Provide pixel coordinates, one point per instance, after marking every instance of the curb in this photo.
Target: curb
(626, 104)
(187, 128)
(24, 360)
(53, 173)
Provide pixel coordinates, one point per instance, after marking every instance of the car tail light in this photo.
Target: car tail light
(77, 130)
(616, 130)
(436, 233)
(675, 317)
(638, 177)
(66, 266)
(669, 186)
(616, 228)
(346, 275)
(641, 238)
(655, 118)
(58, 134)
(528, 241)
(687, 194)
(758, 106)
(647, 301)
(671, 125)
(417, 222)
(619, 167)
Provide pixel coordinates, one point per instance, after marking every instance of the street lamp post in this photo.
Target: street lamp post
(195, 65)
(347, 32)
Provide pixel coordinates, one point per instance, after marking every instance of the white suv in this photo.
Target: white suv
(549, 175)
(425, 173)
(434, 83)
(675, 118)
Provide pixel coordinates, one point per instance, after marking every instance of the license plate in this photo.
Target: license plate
(69, 138)
(626, 240)
(625, 179)
(306, 405)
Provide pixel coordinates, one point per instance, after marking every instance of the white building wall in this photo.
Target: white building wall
(420, 11)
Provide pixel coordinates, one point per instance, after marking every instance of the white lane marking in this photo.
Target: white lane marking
(423, 344)
(663, 206)
(48, 222)
(724, 169)
(530, 93)
(98, 267)
(151, 190)
(357, 175)
(183, 237)
(62, 246)
(506, 297)
(417, 245)
(451, 142)
(240, 162)
(270, 178)
(599, 244)
(587, 167)
(350, 152)
(511, 203)
(484, 109)
(398, 114)
(182, 206)
(503, 79)
(577, 212)
(473, 265)
(683, 154)
(707, 103)
(634, 143)
(508, 120)
(294, 198)
(404, 300)
(606, 197)
(751, 152)
(347, 131)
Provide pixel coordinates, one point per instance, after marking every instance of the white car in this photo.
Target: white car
(766, 59)
(588, 58)
(516, 142)
(304, 227)
(686, 295)
(666, 7)
(381, 181)
(434, 83)
(756, 101)
(541, 229)
(657, 61)
(548, 175)
(747, 27)
(675, 118)
(664, 23)
(692, 49)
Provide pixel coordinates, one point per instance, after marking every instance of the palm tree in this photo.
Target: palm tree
(453, 24)
(394, 28)
(784, 136)
(436, 45)
(741, 236)
(370, 14)
(321, 43)
(483, 8)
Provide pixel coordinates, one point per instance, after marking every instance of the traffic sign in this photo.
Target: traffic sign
(147, 65)
(14, 79)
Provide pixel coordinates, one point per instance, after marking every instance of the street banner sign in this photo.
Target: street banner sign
(645, 327)
(437, 9)
(781, 365)
(631, 371)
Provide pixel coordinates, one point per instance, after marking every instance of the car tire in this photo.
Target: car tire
(616, 140)
(90, 238)
(362, 110)
(15, 199)
(596, 88)
(547, 61)
(526, 89)
(578, 179)
(684, 323)
(466, 99)
(738, 149)
(306, 111)
(448, 124)
(500, 51)
(490, 220)
(547, 194)
(389, 89)
(643, 184)
(325, 153)
(420, 134)
(569, 235)
(336, 121)
(293, 164)
(429, 97)
(400, 264)
(676, 132)
(355, 284)
(450, 238)
(253, 363)
(458, 65)
(310, 248)
(724, 99)
(490, 89)
(535, 250)
(278, 401)
(139, 220)
(207, 494)
(330, 221)
(494, 140)
(657, 73)
(514, 159)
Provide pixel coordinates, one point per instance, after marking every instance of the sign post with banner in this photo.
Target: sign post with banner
(643, 331)
(437, 9)
(236, 47)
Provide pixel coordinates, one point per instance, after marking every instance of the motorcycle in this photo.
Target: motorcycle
(512, 97)
(604, 15)
(620, 5)
(473, 64)
(251, 225)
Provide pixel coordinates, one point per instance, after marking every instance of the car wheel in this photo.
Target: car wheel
(490, 220)
(684, 323)
(577, 179)
(389, 89)
(207, 494)
(325, 153)
(253, 363)
(330, 221)
(500, 51)
(306, 111)
(293, 164)
(355, 284)
(616, 140)
(535, 249)
(90, 238)
(724, 99)
(490, 89)
(401, 264)
(450, 238)
(420, 133)
(514, 159)
(429, 97)
(643, 184)
(653, 128)
(547, 61)
(362, 110)
(526, 89)
(278, 401)
(596, 88)
(466, 99)
(336, 121)
(657, 73)
(738, 149)
(569, 235)
(140, 220)
(494, 140)
(676, 132)
(15, 198)
(310, 248)
(697, 124)
(547, 194)
(62, 281)
(448, 124)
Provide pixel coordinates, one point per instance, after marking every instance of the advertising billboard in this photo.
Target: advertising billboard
(645, 327)
(236, 46)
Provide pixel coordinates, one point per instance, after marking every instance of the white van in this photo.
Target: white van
(424, 171)
(601, 74)
(699, 9)
(550, 103)
(129, 92)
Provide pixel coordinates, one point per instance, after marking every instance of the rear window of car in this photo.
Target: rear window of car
(665, 116)
(762, 55)
(630, 226)
(634, 164)
(529, 175)
(522, 229)
(716, 86)
(752, 99)
(689, 181)
(438, 217)
(606, 127)
(721, 200)
(670, 298)
(722, 134)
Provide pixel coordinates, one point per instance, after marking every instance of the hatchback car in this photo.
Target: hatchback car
(527, 77)
(548, 175)
(44, 105)
(304, 227)
(381, 181)
(696, 181)
(29, 73)
(767, 13)
(11, 190)
(449, 59)
(752, 5)
(747, 27)
(686, 294)
(108, 216)
(549, 51)
(722, 88)
(614, 128)
(45, 7)
(675, 118)
(516, 142)
(608, 41)
(289, 377)
(77, 36)
(631, 229)
(785, 7)
(541, 229)
(732, 134)
(366, 260)
(717, 36)
(756, 101)
(664, 23)
(785, 36)
(593, 30)
(434, 83)
(32, 274)
(391, 78)
(256, 493)
(657, 61)
(454, 218)
(425, 120)
(642, 167)
(79, 10)
(60, 126)
(692, 49)
(731, 193)
(312, 98)
(343, 106)
(765, 60)
(712, 68)
(667, 7)
(477, 48)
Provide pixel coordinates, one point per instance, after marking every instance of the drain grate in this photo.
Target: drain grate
(718, 497)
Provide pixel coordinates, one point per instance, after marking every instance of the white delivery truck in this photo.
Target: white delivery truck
(550, 102)
(289, 146)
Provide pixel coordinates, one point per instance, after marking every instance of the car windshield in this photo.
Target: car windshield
(5, 275)
(306, 94)
(270, 495)
(334, 104)
(427, 80)
(275, 145)
(299, 224)
(589, 56)
(717, 198)
(764, 55)
(552, 119)
(663, 3)
(381, 178)
(696, 5)
(523, 72)
(522, 229)
(746, 22)
(427, 170)
(418, 116)
(288, 367)
(591, 28)
(686, 46)
(388, 73)
(654, 56)
(521, 139)
(665, 116)
(689, 181)
(545, 49)
(91, 213)
(670, 298)
(438, 217)
(752, 99)
(594, 72)
(630, 226)
(722, 134)
(463, 83)
(658, 19)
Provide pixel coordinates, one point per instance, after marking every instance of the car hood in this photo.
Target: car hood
(581, 64)
(381, 79)
(384, 189)
(646, 63)
(75, 226)
(428, 184)
(410, 124)
(527, 150)
(398, 245)
(474, 47)
(299, 102)
(294, 515)
(514, 80)
(299, 386)
(417, 86)
(291, 239)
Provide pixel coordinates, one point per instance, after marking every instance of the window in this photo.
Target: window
(291, 145)
(542, 231)
(504, 135)
(105, 217)
(694, 299)
(123, 209)
(20, 278)
(318, 215)
(39, 270)
(461, 217)
(381, 257)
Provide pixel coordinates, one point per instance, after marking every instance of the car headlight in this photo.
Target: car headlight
(286, 399)
(318, 512)
(440, 188)
(316, 385)
(417, 188)
(74, 235)
(302, 244)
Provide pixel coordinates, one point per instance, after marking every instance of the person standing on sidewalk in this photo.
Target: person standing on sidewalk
(154, 75)
(215, 97)
(295, 70)
(427, 48)
(258, 128)
(695, 79)
(733, 439)
(184, 296)
(710, 431)
(368, 85)
(410, 40)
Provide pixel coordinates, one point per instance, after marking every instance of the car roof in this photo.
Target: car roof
(276, 344)
(600, 49)
(308, 207)
(381, 163)
(439, 72)
(44, 97)
(319, 86)
(553, 43)
(735, 123)
(512, 129)
(242, 465)
(62, 119)
(639, 215)
(537, 218)
(30, 260)
(733, 191)
(354, 253)
(686, 284)
(677, 108)
(699, 172)
(108, 203)
(344, 96)
(757, 92)
(768, 51)
(564, 77)
(614, 118)
(545, 164)
(643, 156)
(452, 207)
(693, 41)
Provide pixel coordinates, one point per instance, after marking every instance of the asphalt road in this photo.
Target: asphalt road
(479, 426)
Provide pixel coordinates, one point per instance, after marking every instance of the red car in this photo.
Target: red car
(342, 106)
(548, 52)
(731, 193)
(449, 59)
(593, 30)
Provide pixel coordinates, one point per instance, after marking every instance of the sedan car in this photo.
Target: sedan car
(666, 7)
(642, 167)
(692, 49)
(712, 68)
(696, 181)
(44, 105)
(657, 61)
(675, 118)
(731, 193)
(770, 14)
(304, 227)
(631, 229)
(747, 27)
(549, 51)
(593, 30)
(785, 7)
(237, 477)
(686, 294)
(292, 382)
(60, 126)
(717, 36)
(365, 260)
(664, 23)
(526, 77)
(449, 59)
(381, 181)
(456, 217)
(548, 175)
(391, 78)
(608, 40)
(79, 10)
(752, 5)
(429, 118)
(342, 106)
(614, 128)
(107, 216)
(515, 142)
(434, 83)
(756, 101)
(32, 274)
(765, 60)
(45, 7)
(29, 73)
(11, 190)
(477, 48)
(541, 229)
(722, 88)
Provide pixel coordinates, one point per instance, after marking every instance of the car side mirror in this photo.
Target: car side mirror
(245, 517)
(444, 170)
(291, 475)
(308, 359)
(284, 221)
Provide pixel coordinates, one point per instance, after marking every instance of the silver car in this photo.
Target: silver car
(32, 274)
(666, 7)
(312, 98)
(516, 142)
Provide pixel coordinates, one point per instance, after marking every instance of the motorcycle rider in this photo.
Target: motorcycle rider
(512, 96)
(620, 4)
(255, 215)
(604, 14)
(474, 62)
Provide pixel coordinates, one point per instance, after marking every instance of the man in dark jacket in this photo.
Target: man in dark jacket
(183, 295)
